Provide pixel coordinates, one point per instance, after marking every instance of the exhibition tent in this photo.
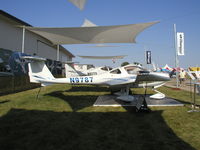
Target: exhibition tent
(92, 35)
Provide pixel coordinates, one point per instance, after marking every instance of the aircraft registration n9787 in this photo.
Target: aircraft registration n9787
(81, 79)
(122, 78)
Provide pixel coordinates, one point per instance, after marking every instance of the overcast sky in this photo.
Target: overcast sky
(159, 38)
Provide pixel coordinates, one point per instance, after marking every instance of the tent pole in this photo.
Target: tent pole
(145, 61)
(176, 57)
(23, 38)
(58, 52)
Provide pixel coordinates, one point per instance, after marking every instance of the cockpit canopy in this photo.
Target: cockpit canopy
(133, 69)
(106, 68)
(116, 71)
(130, 69)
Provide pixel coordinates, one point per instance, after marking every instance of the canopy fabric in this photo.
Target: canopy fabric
(103, 57)
(92, 35)
(104, 45)
(167, 67)
(78, 3)
(88, 23)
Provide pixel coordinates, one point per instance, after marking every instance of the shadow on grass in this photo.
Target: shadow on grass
(4, 101)
(85, 99)
(87, 88)
(76, 102)
(79, 101)
(31, 129)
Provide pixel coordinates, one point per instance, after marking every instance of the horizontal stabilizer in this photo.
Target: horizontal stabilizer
(36, 58)
(38, 71)
(70, 71)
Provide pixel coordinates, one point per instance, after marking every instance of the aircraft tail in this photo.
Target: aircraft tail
(154, 67)
(70, 71)
(38, 71)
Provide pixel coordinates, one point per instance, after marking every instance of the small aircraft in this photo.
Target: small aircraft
(121, 78)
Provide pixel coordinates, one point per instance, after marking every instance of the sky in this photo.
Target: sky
(159, 38)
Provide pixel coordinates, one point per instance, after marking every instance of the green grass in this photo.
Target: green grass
(63, 118)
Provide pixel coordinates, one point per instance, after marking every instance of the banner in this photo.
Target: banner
(180, 43)
(148, 57)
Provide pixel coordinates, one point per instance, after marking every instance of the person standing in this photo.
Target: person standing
(182, 76)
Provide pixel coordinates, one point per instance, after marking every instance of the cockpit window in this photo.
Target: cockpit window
(132, 69)
(109, 68)
(90, 66)
(116, 71)
(106, 68)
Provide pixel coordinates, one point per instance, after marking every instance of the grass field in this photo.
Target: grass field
(64, 118)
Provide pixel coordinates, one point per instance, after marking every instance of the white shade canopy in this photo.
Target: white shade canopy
(92, 35)
(103, 57)
(78, 3)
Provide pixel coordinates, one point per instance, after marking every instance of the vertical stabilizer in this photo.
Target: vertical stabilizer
(70, 71)
(38, 70)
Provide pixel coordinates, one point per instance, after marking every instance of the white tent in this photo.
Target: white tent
(88, 23)
(92, 35)
(167, 67)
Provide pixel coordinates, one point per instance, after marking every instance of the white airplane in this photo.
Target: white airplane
(122, 78)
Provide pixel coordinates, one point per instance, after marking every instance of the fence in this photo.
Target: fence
(11, 84)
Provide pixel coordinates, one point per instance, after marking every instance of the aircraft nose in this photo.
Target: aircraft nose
(153, 76)
(162, 76)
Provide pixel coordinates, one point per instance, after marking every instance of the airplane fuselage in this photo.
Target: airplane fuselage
(117, 77)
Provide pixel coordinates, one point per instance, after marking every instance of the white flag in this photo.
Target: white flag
(180, 43)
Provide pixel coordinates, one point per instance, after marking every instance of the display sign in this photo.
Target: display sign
(180, 43)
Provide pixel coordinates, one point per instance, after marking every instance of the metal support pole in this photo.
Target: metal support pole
(194, 102)
(23, 38)
(145, 61)
(58, 52)
(176, 57)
